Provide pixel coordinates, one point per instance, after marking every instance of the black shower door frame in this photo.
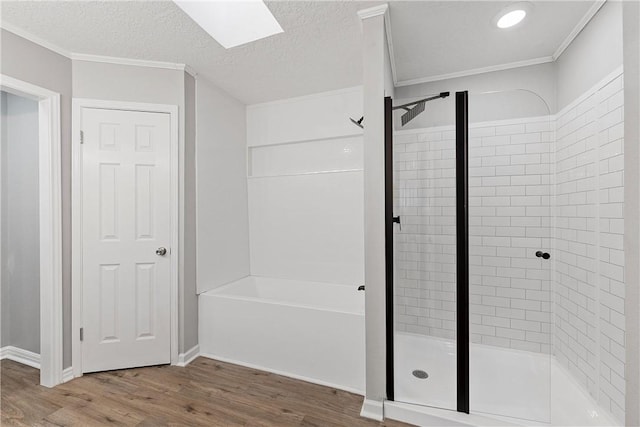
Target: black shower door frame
(462, 248)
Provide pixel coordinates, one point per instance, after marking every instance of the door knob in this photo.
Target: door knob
(161, 251)
(543, 255)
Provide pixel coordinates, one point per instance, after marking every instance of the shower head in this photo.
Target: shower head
(417, 107)
(358, 122)
(413, 112)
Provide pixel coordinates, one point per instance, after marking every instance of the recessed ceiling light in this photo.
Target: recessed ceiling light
(512, 15)
(511, 18)
(232, 23)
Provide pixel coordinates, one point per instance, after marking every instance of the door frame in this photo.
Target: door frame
(176, 170)
(50, 220)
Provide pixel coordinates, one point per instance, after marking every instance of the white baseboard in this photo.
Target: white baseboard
(372, 409)
(283, 373)
(19, 355)
(187, 357)
(67, 374)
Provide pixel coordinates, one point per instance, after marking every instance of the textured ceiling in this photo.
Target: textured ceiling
(432, 38)
(320, 49)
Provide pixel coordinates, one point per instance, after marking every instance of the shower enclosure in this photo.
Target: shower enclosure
(481, 295)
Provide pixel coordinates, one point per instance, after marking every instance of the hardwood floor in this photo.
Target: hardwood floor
(205, 393)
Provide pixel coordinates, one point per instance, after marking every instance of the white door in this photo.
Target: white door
(125, 225)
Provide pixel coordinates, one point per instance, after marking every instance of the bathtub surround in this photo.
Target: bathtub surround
(302, 173)
(305, 188)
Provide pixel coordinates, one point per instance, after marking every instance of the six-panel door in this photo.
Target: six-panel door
(125, 220)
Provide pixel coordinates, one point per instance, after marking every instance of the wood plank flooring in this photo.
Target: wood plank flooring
(205, 393)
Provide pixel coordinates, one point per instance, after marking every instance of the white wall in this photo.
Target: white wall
(305, 188)
(223, 223)
(20, 224)
(592, 55)
(527, 92)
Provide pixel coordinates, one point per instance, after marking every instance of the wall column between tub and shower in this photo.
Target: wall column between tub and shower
(374, 209)
(631, 60)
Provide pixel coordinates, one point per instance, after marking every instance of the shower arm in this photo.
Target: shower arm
(431, 98)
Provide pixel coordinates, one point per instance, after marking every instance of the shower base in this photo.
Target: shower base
(516, 386)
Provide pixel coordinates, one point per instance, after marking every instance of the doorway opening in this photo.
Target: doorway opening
(31, 250)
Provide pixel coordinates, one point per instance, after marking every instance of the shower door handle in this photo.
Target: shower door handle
(396, 219)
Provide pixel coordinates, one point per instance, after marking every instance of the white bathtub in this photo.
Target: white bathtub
(305, 330)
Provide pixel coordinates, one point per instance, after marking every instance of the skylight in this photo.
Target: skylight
(232, 23)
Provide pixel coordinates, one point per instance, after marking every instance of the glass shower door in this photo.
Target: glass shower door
(424, 204)
(510, 146)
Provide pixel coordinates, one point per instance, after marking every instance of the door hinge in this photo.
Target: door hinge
(81, 334)
(81, 137)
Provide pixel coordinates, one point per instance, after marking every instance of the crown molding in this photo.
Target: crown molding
(472, 72)
(95, 58)
(127, 61)
(34, 39)
(578, 28)
(373, 11)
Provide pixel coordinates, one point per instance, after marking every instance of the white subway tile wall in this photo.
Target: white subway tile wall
(552, 184)
(425, 251)
(589, 281)
(509, 220)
